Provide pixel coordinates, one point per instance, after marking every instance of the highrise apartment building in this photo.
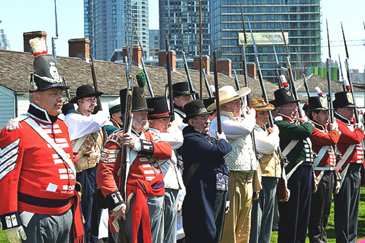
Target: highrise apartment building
(4, 42)
(107, 24)
(186, 14)
(300, 20)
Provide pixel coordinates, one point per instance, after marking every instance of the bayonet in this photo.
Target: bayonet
(196, 96)
(202, 70)
(290, 74)
(55, 38)
(304, 78)
(143, 66)
(244, 62)
(278, 67)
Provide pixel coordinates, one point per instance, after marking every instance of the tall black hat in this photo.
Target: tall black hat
(181, 88)
(208, 101)
(45, 75)
(159, 106)
(139, 102)
(317, 103)
(85, 91)
(194, 108)
(343, 99)
(284, 96)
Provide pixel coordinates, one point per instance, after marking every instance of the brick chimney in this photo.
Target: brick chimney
(79, 47)
(137, 54)
(162, 59)
(30, 35)
(206, 60)
(224, 65)
(251, 69)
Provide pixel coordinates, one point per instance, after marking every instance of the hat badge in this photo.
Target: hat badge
(323, 101)
(288, 93)
(143, 96)
(53, 71)
(350, 98)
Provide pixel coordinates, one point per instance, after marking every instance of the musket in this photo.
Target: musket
(291, 78)
(277, 68)
(95, 82)
(202, 70)
(244, 63)
(348, 85)
(196, 95)
(342, 77)
(169, 79)
(304, 78)
(236, 80)
(329, 96)
(219, 122)
(127, 127)
(282, 180)
(55, 38)
(143, 66)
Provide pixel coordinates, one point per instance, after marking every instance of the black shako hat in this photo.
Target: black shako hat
(159, 106)
(194, 108)
(181, 88)
(343, 99)
(317, 103)
(284, 96)
(208, 101)
(84, 91)
(139, 102)
(45, 75)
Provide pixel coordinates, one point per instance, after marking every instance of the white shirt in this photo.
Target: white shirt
(265, 144)
(234, 129)
(80, 125)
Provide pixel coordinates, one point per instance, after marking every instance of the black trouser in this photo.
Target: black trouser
(294, 214)
(321, 207)
(347, 206)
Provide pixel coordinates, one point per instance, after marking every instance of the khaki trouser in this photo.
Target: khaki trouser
(238, 220)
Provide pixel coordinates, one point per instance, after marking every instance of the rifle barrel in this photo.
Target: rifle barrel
(219, 122)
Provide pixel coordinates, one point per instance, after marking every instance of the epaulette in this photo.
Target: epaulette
(13, 124)
(115, 138)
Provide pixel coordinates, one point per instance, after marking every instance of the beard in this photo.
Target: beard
(140, 125)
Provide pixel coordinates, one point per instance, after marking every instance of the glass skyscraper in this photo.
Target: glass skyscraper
(186, 13)
(4, 42)
(107, 23)
(299, 18)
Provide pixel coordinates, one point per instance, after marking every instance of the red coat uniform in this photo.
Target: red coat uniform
(33, 177)
(322, 137)
(144, 179)
(350, 136)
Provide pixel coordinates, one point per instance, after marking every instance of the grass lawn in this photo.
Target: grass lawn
(330, 226)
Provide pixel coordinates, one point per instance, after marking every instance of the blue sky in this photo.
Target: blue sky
(20, 16)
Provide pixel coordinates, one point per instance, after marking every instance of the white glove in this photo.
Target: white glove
(221, 136)
(16, 234)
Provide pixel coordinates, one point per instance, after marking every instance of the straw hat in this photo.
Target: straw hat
(261, 105)
(227, 94)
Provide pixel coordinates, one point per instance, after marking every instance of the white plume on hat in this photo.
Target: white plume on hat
(38, 46)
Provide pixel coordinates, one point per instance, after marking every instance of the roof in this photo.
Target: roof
(15, 68)
(314, 81)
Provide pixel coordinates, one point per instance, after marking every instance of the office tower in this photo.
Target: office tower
(154, 42)
(186, 13)
(299, 18)
(107, 24)
(4, 42)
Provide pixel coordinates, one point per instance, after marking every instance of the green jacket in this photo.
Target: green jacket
(302, 150)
